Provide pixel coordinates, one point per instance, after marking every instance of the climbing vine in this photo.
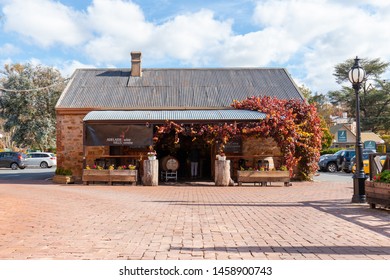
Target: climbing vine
(293, 124)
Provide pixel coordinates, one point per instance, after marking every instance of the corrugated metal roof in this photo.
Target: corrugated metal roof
(174, 115)
(174, 88)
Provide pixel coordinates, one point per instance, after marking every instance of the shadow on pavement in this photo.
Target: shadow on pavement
(376, 220)
(327, 250)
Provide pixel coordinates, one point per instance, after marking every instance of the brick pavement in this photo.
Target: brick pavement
(305, 221)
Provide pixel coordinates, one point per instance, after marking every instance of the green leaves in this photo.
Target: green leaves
(374, 94)
(28, 104)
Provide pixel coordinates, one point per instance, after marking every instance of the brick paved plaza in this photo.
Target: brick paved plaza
(304, 221)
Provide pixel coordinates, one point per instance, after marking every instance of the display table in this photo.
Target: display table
(168, 175)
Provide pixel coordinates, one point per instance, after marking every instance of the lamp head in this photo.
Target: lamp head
(357, 74)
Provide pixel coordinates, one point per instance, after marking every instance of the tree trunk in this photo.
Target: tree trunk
(150, 177)
(222, 173)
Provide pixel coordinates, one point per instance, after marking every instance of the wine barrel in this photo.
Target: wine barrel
(169, 163)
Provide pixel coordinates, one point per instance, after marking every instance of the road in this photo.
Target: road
(333, 177)
(27, 174)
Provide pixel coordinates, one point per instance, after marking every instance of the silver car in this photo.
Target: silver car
(41, 159)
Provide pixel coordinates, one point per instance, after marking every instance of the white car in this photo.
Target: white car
(41, 159)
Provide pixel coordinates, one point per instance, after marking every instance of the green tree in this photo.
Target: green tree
(324, 110)
(374, 94)
(27, 104)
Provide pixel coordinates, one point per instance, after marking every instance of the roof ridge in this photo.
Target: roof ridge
(186, 69)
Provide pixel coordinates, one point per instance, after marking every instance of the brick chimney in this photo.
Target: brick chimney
(136, 70)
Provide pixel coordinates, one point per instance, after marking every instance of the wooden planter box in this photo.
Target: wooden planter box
(124, 176)
(377, 193)
(263, 177)
(63, 179)
(95, 175)
(110, 176)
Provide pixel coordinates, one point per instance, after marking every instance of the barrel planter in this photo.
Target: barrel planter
(263, 177)
(377, 193)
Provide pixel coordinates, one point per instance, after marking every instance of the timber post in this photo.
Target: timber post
(222, 173)
(150, 177)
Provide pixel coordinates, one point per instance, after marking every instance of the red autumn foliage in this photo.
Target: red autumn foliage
(293, 124)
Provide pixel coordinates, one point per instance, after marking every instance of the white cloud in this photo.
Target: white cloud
(307, 36)
(325, 33)
(258, 48)
(5, 61)
(9, 49)
(35, 61)
(68, 67)
(119, 26)
(45, 22)
(192, 38)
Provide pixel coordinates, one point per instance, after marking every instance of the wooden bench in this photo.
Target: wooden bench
(263, 177)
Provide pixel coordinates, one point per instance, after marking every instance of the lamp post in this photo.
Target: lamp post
(356, 76)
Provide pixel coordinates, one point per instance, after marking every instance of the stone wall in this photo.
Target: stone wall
(70, 150)
(70, 143)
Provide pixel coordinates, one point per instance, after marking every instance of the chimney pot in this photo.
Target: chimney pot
(136, 64)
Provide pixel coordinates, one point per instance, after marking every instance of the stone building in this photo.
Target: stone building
(108, 116)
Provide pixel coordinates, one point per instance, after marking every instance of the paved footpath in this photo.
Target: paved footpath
(305, 221)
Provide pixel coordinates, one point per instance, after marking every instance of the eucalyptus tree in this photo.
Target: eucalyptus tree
(28, 95)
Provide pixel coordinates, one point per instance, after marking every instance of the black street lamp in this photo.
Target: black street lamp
(356, 76)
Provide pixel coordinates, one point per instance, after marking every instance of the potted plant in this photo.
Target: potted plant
(378, 190)
(63, 176)
(152, 153)
(221, 156)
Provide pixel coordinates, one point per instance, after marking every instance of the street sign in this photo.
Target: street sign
(370, 145)
(342, 136)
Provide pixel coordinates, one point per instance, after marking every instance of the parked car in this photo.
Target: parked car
(366, 164)
(41, 159)
(13, 160)
(338, 161)
(328, 162)
(344, 159)
(365, 156)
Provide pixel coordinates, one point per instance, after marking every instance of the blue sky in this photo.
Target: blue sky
(308, 37)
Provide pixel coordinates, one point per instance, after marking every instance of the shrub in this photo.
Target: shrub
(63, 171)
(329, 151)
(383, 177)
